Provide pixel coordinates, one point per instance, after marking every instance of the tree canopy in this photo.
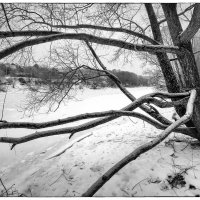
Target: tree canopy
(88, 36)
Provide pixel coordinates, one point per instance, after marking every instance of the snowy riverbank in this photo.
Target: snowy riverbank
(87, 101)
(71, 173)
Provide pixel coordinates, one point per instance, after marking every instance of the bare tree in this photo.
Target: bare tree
(117, 26)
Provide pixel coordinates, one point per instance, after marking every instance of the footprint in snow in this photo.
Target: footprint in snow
(96, 168)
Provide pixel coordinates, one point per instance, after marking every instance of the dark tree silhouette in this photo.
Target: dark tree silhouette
(117, 27)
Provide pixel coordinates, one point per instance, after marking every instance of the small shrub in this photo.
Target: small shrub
(9, 81)
(22, 81)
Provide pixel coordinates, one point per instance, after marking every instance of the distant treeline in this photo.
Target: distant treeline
(34, 71)
(129, 79)
(91, 78)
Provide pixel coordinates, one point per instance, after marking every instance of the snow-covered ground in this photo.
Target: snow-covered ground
(28, 166)
(87, 100)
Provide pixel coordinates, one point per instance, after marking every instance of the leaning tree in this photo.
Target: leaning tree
(124, 28)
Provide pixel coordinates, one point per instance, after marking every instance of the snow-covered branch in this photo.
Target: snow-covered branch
(103, 28)
(7, 34)
(146, 108)
(40, 125)
(143, 148)
(113, 114)
(91, 38)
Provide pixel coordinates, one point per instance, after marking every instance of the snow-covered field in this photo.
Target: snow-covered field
(87, 100)
(28, 166)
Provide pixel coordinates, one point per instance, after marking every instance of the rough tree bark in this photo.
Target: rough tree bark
(169, 75)
(185, 58)
(183, 51)
(172, 84)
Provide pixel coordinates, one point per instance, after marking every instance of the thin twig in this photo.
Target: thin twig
(4, 186)
(6, 17)
(4, 104)
(139, 183)
(60, 152)
(132, 120)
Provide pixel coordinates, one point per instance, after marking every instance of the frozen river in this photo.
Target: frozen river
(88, 101)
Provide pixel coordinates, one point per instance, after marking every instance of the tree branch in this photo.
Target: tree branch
(147, 109)
(112, 115)
(142, 149)
(91, 38)
(4, 187)
(6, 34)
(181, 13)
(95, 27)
(75, 129)
(32, 125)
(193, 26)
(6, 16)
(4, 101)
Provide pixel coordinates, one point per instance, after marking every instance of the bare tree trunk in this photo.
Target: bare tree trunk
(168, 73)
(185, 58)
(179, 72)
(171, 80)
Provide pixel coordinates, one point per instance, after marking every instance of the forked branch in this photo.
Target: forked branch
(91, 38)
(5, 14)
(103, 28)
(152, 112)
(72, 130)
(40, 125)
(143, 148)
(193, 26)
(181, 13)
